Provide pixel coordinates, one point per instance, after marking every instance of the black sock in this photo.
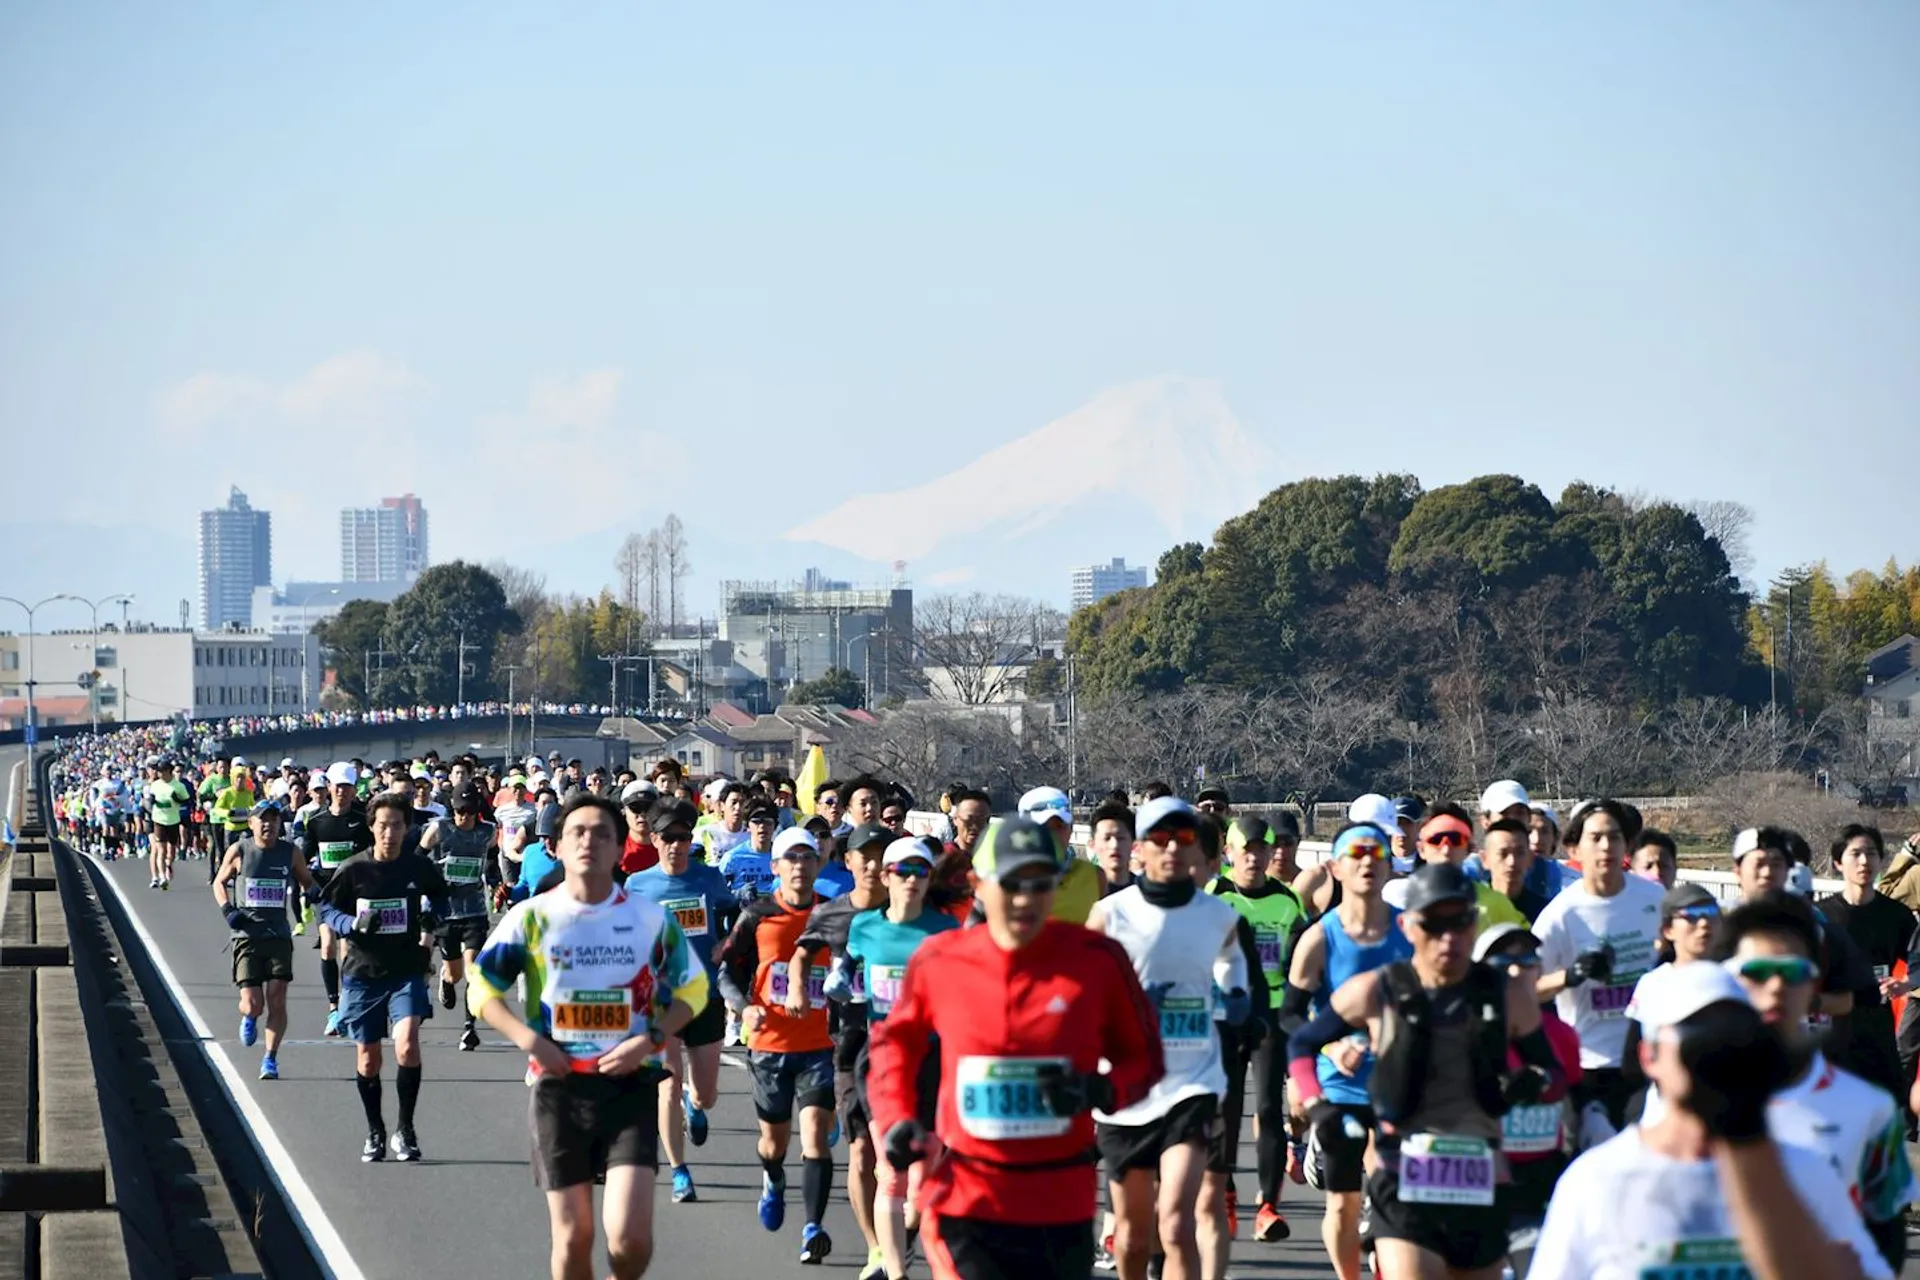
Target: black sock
(370, 1101)
(816, 1180)
(409, 1081)
(776, 1167)
(330, 979)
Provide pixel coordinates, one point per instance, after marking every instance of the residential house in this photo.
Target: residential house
(704, 750)
(1893, 709)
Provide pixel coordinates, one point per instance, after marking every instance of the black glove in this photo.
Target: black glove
(904, 1144)
(1328, 1122)
(1736, 1063)
(1596, 965)
(1068, 1093)
(237, 920)
(1524, 1087)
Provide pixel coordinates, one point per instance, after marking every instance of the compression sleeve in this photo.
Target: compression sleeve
(1296, 1006)
(1303, 1051)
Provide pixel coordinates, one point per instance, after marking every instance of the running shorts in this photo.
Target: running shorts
(782, 1080)
(983, 1249)
(1465, 1237)
(371, 1007)
(460, 936)
(166, 833)
(1126, 1147)
(583, 1125)
(261, 960)
(1340, 1166)
(709, 1026)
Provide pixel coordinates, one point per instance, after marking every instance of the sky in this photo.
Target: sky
(795, 271)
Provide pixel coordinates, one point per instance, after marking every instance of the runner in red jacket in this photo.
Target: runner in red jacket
(1024, 1010)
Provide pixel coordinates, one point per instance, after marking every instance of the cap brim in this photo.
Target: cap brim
(1010, 865)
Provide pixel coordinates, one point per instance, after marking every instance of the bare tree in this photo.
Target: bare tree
(653, 561)
(976, 647)
(526, 592)
(1307, 734)
(1728, 523)
(629, 568)
(1710, 738)
(1183, 738)
(1584, 747)
(673, 555)
(924, 745)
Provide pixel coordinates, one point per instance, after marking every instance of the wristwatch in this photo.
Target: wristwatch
(658, 1037)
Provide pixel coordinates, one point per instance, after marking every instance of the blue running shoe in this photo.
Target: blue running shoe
(269, 1069)
(833, 1134)
(773, 1202)
(333, 1024)
(249, 1030)
(815, 1245)
(696, 1121)
(683, 1191)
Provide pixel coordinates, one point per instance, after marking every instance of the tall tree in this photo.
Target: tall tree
(629, 568)
(673, 555)
(426, 625)
(836, 685)
(980, 645)
(349, 637)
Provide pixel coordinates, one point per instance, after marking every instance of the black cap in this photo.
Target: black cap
(1409, 808)
(1252, 829)
(669, 814)
(871, 833)
(1286, 824)
(1683, 895)
(1212, 793)
(1436, 883)
(467, 797)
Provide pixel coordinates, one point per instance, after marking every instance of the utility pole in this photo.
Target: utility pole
(1073, 733)
(613, 661)
(511, 668)
(460, 697)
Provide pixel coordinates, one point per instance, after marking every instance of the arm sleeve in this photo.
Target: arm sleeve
(1306, 1043)
(735, 962)
(896, 1047)
(1132, 1039)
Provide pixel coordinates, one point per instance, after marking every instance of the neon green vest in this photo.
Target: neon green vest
(1272, 919)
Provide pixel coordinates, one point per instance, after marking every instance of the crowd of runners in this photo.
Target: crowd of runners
(1501, 1040)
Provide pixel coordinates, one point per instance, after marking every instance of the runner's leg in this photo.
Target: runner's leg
(1182, 1168)
(627, 1211)
(673, 1131)
(276, 994)
(570, 1216)
(1134, 1235)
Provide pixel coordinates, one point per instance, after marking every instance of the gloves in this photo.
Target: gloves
(839, 986)
(365, 919)
(1596, 965)
(1068, 1093)
(1525, 1087)
(906, 1144)
(237, 920)
(1735, 1063)
(1236, 1004)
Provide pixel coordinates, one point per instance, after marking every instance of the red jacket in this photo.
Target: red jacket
(1070, 993)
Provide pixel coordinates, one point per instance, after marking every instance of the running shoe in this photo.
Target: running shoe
(1103, 1259)
(1270, 1225)
(166, 884)
(299, 927)
(333, 1024)
(469, 1039)
(153, 882)
(1233, 1214)
(446, 994)
(773, 1202)
(876, 1268)
(815, 1245)
(375, 1149)
(405, 1147)
(833, 1134)
(683, 1191)
(249, 1030)
(696, 1121)
(1297, 1163)
(269, 1069)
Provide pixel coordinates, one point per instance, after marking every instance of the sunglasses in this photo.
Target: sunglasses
(762, 820)
(1522, 959)
(1792, 970)
(1365, 851)
(1452, 922)
(911, 870)
(1182, 836)
(1445, 840)
(1700, 914)
(679, 835)
(1031, 885)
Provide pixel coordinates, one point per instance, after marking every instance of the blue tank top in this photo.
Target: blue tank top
(1345, 958)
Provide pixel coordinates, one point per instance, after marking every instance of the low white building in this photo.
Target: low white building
(149, 673)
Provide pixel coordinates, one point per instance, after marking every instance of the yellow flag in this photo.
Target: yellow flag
(812, 774)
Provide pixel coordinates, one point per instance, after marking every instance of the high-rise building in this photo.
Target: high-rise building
(236, 555)
(387, 543)
(1095, 582)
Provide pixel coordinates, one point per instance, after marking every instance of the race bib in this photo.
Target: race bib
(1269, 944)
(690, 913)
(1435, 1169)
(589, 1021)
(262, 894)
(1526, 1131)
(390, 914)
(777, 986)
(1698, 1260)
(335, 852)
(1000, 1099)
(1611, 1000)
(883, 985)
(1186, 1023)
(461, 870)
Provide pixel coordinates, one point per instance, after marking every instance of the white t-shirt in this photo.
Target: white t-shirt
(1577, 921)
(1625, 1212)
(1856, 1125)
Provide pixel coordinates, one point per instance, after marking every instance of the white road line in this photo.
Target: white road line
(315, 1227)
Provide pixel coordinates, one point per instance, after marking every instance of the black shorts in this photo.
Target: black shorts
(783, 1080)
(459, 936)
(983, 1249)
(1341, 1165)
(166, 833)
(708, 1025)
(583, 1125)
(257, 961)
(1126, 1147)
(1465, 1237)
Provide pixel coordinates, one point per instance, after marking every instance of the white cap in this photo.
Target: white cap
(1745, 843)
(286, 762)
(341, 773)
(1503, 795)
(1800, 880)
(794, 838)
(1545, 810)
(1494, 935)
(711, 792)
(1376, 809)
(1675, 992)
(1043, 804)
(279, 788)
(1155, 813)
(635, 790)
(904, 849)
(534, 763)
(239, 762)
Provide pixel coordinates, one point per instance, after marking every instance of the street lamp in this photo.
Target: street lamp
(866, 655)
(33, 721)
(93, 658)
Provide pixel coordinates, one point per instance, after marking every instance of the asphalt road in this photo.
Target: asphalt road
(470, 1208)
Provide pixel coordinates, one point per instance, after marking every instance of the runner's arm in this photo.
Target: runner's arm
(1131, 1033)
(229, 868)
(734, 962)
(1349, 1010)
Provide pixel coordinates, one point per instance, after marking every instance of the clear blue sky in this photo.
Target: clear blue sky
(766, 258)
